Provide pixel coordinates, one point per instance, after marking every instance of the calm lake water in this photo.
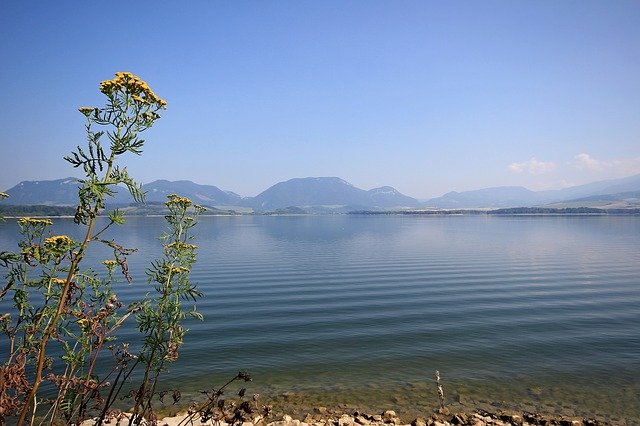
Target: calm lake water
(529, 312)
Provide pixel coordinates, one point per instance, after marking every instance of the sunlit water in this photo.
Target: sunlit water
(529, 312)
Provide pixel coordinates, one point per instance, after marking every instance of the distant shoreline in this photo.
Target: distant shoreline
(17, 211)
(516, 211)
(358, 214)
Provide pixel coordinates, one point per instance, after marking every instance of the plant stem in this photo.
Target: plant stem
(62, 304)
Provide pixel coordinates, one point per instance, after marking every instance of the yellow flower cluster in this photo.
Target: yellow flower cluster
(179, 245)
(173, 270)
(59, 244)
(31, 221)
(178, 201)
(139, 90)
(109, 263)
(58, 281)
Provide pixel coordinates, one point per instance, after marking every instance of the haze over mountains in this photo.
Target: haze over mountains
(318, 194)
(618, 190)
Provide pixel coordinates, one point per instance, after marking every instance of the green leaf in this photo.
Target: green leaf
(197, 315)
(116, 217)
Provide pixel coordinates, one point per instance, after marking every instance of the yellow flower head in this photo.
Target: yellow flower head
(110, 264)
(83, 323)
(176, 200)
(58, 281)
(132, 85)
(139, 100)
(150, 115)
(59, 244)
(87, 111)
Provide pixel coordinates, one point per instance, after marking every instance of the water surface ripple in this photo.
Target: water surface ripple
(531, 310)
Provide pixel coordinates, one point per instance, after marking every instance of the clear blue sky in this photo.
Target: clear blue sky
(424, 96)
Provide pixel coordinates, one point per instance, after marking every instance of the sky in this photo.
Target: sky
(424, 96)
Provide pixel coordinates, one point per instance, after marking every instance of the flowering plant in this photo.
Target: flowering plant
(55, 302)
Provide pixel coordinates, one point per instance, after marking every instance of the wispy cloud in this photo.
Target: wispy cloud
(585, 161)
(533, 166)
(574, 170)
(620, 166)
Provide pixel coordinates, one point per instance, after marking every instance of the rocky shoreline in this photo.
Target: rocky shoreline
(322, 416)
(440, 418)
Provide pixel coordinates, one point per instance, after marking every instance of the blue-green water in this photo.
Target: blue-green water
(538, 312)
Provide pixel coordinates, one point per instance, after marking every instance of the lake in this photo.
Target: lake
(528, 312)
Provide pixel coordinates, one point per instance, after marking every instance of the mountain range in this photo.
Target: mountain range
(332, 194)
(618, 191)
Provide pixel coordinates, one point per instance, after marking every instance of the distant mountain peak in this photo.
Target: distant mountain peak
(44, 192)
(328, 191)
(499, 196)
(322, 179)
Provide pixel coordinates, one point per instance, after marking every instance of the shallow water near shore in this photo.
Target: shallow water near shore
(534, 312)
